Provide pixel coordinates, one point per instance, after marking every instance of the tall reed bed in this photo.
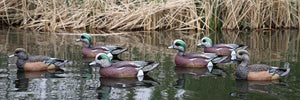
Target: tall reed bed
(50, 15)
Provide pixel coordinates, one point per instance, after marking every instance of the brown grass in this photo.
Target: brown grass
(51, 15)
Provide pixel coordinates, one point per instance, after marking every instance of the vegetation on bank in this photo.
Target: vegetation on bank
(51, 15)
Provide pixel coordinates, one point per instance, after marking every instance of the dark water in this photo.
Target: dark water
(78, 80)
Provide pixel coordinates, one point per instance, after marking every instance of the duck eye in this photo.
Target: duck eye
(99, 58)
(82, 37)
(240, 53)
(177, 44)
(204, 40)
(17, 52)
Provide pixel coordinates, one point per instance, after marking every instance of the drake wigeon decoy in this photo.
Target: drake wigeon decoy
(35, 63)
(122, 68)
(200, 60)
(89, 51)
(220, 49)
(258, 71)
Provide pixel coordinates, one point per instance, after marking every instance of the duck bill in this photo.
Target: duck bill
(170, 47)
(199, 44)
(92, 63)
(77, 40)
(11, 56)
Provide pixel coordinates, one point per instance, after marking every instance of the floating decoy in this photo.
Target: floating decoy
(183, 59)
(220, 49)
(35, 63)
(91, 52)
(122, 68)
(258, 71)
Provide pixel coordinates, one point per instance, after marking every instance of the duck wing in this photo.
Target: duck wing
(38, 58)
(200, 55)
(144, 65)
(115, 50)
(136, 64)
(47, 60)
(259, 67)
(100, 47)
(231, 46)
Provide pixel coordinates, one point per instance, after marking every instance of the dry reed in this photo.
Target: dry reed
(50, 15)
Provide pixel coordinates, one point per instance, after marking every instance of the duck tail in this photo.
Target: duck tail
(118, 51)
(59, 62)
(150, 67)
(284, 71)
(219, 59)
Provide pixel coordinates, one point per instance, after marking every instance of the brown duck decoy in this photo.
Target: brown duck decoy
(220, 49)
(92, 51)
(122, 68)
(258, 71)
(36, 63)
(196, 59)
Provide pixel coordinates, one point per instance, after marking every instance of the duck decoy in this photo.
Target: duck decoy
(91, 51)
(258, 71)
(220, 49)
(122, 68)
(200, 60)
(35, 63)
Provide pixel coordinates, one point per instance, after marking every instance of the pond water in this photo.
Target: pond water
(81, 81)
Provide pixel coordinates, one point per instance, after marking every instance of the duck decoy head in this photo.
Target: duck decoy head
(243, 55)
(86, 38)
(178, 45)
(102, 59)
(20, 53)
(205, 41)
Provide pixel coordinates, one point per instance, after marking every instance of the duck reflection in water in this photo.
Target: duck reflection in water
(244, 87)
(196, 73)
(23, 77)
(119, 86)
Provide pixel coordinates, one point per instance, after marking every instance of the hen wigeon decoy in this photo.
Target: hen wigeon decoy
(35, 63)
(220, 49)
(200, 60)
(258, 71)
(89, 51)
(122, 68)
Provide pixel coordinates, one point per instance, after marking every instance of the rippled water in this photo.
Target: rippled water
(78, 80)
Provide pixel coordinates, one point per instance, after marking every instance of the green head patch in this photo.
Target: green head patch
(103, 56)
(180, 43)
(206, 39)
(86, 36)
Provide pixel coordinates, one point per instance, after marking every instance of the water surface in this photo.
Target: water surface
(78, 80)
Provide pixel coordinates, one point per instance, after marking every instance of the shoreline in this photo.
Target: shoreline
(156, 15)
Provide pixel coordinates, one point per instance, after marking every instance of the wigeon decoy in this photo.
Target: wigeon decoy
(35, 63)
(122, 68)
(220, 49)
(258, 71)
(200, 60)
(91, 52)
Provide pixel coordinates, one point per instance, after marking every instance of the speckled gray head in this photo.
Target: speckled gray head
(205, 41)
(86, 38)
(178, 45)
(244, 56)
(102, 59)
(20, 53)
